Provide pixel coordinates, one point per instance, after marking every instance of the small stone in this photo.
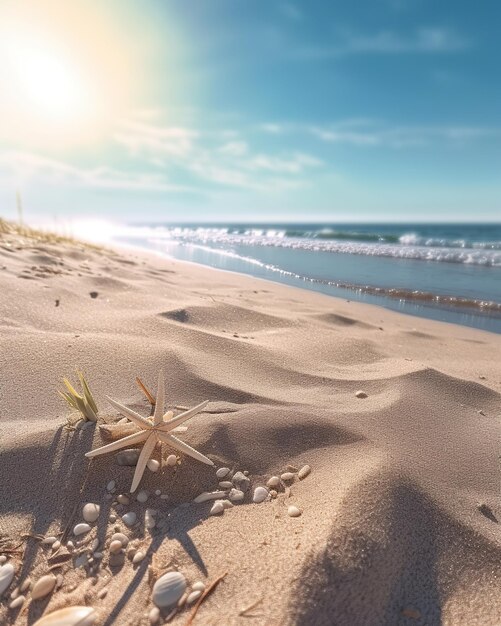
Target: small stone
(154, 615)
(128, 458)
(90, 512)
(142, 496)
(19, 601)
(287, 476)
(25, 585)
(293, 511)
(81, 529)
(168, 589)
(129, 519)
(241, 481)
(153, 465)
(49, 540)
(158, 492)
(260, 495)
(70, 545)
(361, 394)
(273, 493)
(222, 472)
(115, 546)
(198, 586)
(274, 481)
(217, 508)
(56, 545)
(226, 503)
(193, 597)
(226, 484)
(111, 485)
(171, 460)
(112, 518)
(93, 294)
(124, 540)
(236, 495)
(43, 586)
(6, 576)
(102, 593)
(149, 518)
(138, 557)
(303, 472)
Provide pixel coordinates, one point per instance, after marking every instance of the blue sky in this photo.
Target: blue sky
(260, 110)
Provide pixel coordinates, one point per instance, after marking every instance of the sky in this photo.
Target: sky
(251, 110)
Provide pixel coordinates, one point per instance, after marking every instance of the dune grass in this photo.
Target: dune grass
(41, 236)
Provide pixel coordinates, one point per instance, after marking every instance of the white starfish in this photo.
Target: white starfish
(153, 432)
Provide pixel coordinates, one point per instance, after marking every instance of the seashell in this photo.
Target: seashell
(198, 586)
(236, 495)
(90, 512)
(153, 465)
(303, 472)
(138, 557)
(115, 546)
(48, 541)
(122, 499)
(214, 495)
(154, 615)
(222, 472)
(70, 616)
(142, 496)
(81, 529)
(293, 511)
(274, 481)
(260, 495)
(14, 593)
(193, 597)
(287, 476)
(129, 519)
(6, 576)
(241, 481)
(111, 485)
(19, 601)
(226, 484)
(25, 585)
(124, 540)
(43, 586)
(168, 589)
(171, 460)
(217, 508)
(361, 394)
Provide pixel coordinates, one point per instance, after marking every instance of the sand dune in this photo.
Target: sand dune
(400, 521)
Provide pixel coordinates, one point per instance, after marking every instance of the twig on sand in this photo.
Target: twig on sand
(243, 612)
(209, 590)
(146, 391)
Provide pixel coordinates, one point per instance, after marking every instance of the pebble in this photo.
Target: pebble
(236, 495)
(102, 593)
(122, 499)
(154, 615)
(111, 485)
(241, 481)
(303, 472)
(153, 465)
(138, 557)
(273, 493)
(90, 512)
(6, 576)
(115, 546)
(361, 394)
(128, 458)
(193, 597)
(226, 484)
(19, 601)
(287, 476)
(25, 585)
(222, 472)
(226, 503)
(260, 495)
(70, 545)
(293, 511)
(213, 495)
(113, 518)
(94, 545)
(129, 519)
(149, 518)
(274, 481)
(142, 496)
(217, 508)
(168, 589)
(158, 492)
(56, 545)
(171, 460)
(70, 616)
(81, 529)
(124, 540)
(43, 586)
(49, 540)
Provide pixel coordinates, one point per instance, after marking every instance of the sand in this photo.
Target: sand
(401, 511)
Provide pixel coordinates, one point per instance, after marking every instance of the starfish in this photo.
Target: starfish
(153, 431)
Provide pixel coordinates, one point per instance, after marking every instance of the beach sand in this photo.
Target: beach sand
(401, 516)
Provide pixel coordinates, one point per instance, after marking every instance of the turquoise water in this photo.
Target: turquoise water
(449, 272)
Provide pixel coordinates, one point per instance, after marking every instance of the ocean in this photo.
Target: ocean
(448, 272)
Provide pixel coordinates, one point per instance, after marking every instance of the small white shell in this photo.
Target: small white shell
(70, 616)
(153, 465)
(287, 476)
(19, 601)
(81, 529)
(293, 511)
(171, 460)
(25, 585)
(274, 481)
(193, 597)
(217, 508)
(48, 541)
(129, 519)
(124, 540)
(303, 472)
(56, 545)
(6, 576)
(226, 484)
(149, 518)
(260, 495)
(214, 495)
(90, 512)
(168, 589)
(154, 615)
(222, 472)
(198, 586)
(43, 586)
(115, 546)
(138, 557)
